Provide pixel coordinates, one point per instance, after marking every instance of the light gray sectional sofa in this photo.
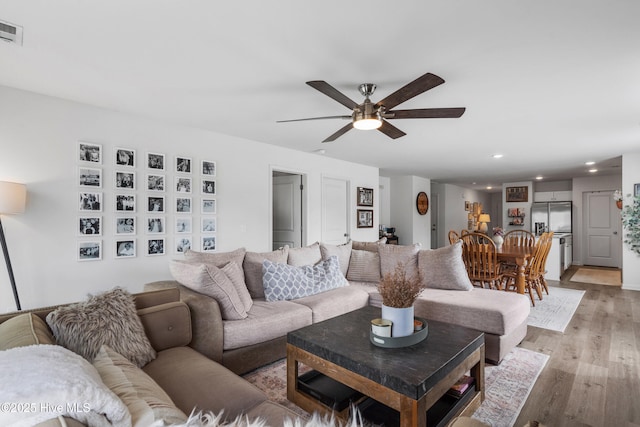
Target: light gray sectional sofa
(249, 330)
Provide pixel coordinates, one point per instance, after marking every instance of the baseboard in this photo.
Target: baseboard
(631, 287)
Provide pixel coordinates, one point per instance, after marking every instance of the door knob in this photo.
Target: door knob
(615, 232)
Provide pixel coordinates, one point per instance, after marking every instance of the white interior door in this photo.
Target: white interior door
(603, 245)
(287, 211)
(335, 211)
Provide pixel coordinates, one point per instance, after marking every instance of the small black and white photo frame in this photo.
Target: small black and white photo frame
(90, 226)
(183, 164)
(183, 184)
(155, 161)
(208, 224)
(208, 206)
(183, 205)
(155, 182)
(636, 190)
(155, 247)
(209, 243)
(90, 153)
(125, 180)
(208, 168)
(156, 204)
(125, 157)
(89, 250)
(125, 203)
(209, 187)
(125, 248)
(156, 225)
(365, 218)
(183, 243)
(125, 225)
(365, 196)
(184, 225)
(89, 177)
(90, 202)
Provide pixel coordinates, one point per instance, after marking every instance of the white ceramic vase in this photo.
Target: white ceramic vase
(402, 319)
(498, 240)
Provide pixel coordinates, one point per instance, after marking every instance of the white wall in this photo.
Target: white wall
(384, 201)
(38, 139)
(411, 227)
(630, 259)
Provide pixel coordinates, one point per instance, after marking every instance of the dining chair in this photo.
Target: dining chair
(481, 260)
(534, 270)
(453, 237)
(517, 238)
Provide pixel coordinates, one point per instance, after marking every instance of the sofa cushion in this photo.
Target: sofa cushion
(368, 246)
(144, 398)
(443, 268)
(219, 259)
(364, 266)
(309, 255)
(109, 318)
(343, 252)
(24, 329)
(209, 280)
(167, 325)
(265, 321)
(287, 282)
(253, 268)
(234, 272)
(331, 304)
(202, 383)
(392, 255)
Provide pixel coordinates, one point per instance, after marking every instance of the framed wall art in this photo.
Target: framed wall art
(155, 204)
(517, 194)
(183, 164)
(208, 206)
(125, 157)
(209, 243)
(89, 250)
(126, 248)
(184, 225)
(155, 161)
(125, 225)
(364, 218)
(90, 202)
(90, 153)
(156, 225)
(125, 180)
(155, 247)
(183, 243)
(90, 177)
(90, 226)
(365, 196)
(208, 168)
(183, 205)
(183, 184)
(155, 182)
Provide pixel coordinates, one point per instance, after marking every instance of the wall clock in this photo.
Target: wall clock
(422, 203)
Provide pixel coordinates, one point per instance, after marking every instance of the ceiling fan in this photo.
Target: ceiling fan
(368, 115)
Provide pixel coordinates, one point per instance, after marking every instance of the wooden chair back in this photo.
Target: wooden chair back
(481, 260)
(453, 237)
(520, 238)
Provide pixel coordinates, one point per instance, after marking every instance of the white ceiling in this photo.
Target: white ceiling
(549, 84)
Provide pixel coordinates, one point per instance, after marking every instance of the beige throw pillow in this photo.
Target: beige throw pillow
(209, 280)
(309, 255)
(218, 259)
(144, 398)
(23, 330)
(234, 272)
(364, 266)
(343, 252)
(444, 268)
(391, 255)
(253, 268)
(369, 246)
(109, 318)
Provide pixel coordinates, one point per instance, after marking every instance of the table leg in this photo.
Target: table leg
(520, 278)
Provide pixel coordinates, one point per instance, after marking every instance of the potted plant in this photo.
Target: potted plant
(399, 291)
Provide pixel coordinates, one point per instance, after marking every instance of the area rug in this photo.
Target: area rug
(507, 386)
(597, 276)
(555, 310)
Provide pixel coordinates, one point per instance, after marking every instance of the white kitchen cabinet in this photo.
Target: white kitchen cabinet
(552, 196)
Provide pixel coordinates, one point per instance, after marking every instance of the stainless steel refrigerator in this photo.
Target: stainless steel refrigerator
(551, 216)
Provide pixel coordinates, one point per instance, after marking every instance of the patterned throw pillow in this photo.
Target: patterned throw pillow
(287, 282)
(109, 319)
(444, 268)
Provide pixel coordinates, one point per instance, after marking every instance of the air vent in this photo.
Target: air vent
(10, 33)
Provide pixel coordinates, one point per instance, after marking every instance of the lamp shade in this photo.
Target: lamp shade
(13, 197)
(484, 218)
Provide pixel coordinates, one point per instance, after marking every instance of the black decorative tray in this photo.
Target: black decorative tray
(397, 342)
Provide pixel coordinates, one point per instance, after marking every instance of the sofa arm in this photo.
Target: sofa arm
(206, 319)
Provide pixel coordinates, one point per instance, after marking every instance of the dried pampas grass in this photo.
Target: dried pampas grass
(399, 290)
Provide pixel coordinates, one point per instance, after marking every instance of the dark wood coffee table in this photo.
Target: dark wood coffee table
(410, 380)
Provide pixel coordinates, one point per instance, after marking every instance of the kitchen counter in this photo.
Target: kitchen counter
(560, 256)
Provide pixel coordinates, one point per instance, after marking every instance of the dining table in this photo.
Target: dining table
(520, 255)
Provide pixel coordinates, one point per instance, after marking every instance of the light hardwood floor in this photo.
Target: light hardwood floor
(592, 377)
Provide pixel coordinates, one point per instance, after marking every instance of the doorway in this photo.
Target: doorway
(287, 190)
(335, 211)
(601, 230)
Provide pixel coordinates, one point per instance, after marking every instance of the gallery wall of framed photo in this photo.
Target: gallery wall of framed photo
(155, 204)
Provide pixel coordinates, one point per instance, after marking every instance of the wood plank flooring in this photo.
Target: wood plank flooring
(592, 377)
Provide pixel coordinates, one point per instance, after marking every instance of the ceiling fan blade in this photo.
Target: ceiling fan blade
(408, 91)
(390, 130)
(315, 118)
(426, 113)
(339, 133)
(332, 92)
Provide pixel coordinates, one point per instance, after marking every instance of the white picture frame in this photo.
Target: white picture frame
(124, 157)
(89, 226)
(183, 225)
(156, 204)
(183, 184)
(125, 203)
(208, 187)
(125, 248)
(125, 225)
(156, 161)
(89, 153)
(89, 250)
(208, 206)
(156, 182)
(90, 201)
(183, 164)
(125, 180)
(209, 243)
(155, 247)
(89, 177)
(182, 243)
(184, 205)
(208, 224)
(208, 168)
(155, 225)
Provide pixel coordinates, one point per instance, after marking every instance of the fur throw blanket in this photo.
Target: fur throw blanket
(208, 419)
(41, 382)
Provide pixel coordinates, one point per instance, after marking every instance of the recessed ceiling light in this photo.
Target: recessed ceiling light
(539, 178)
(593, 170)
(320, 151)
(589, 163)
(489, 187)
(497, 156)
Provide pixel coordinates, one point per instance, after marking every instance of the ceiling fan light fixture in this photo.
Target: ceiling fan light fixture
(368, 123)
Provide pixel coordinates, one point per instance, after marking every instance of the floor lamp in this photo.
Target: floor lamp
(13, 197)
